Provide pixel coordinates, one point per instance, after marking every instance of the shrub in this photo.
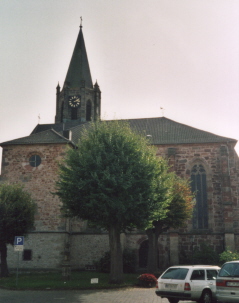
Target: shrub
(103, 264)
(184, 258)
(147, 280)
(205, 255)
(129, 262)
(228, 255)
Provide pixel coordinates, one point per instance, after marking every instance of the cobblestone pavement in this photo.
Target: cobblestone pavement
(127, 295)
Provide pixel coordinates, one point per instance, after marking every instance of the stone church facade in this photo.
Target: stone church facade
(209, 160)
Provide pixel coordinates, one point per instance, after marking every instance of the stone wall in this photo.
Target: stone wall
(39, 181)
(47, 251)
(222, 167)
(87, 249)
(47, 242)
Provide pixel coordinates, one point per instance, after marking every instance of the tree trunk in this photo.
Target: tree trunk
(4, 267)
(153, 235)
(152, 266)
(116, 256)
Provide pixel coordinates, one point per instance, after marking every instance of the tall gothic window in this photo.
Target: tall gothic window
(73, 113)
(199, 187)
(88, 111)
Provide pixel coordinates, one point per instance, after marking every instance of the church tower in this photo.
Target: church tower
(79, 99)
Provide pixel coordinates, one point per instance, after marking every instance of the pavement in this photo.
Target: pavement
(125, 295)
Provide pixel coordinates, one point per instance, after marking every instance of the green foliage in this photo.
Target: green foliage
(228, 255)
(204, 254)
(180, 204)
(16, 212)
(113, 178)
(129, 262)
(184, 258)
(103, 264)
(54, 280)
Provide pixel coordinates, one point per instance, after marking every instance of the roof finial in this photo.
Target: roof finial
(81, 22)
(162, 109)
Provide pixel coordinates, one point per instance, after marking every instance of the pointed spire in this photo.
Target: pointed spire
(78, 74)
(96, 86)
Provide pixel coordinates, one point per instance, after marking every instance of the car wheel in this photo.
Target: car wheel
(206, 297)
(173, 300)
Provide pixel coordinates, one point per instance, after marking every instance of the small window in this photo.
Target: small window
(27, 255)
(212, 274)
(198, 274)
(35, 160)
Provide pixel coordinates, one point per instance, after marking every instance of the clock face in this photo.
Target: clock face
(74, 101)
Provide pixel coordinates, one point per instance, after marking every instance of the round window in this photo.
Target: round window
(35, 160)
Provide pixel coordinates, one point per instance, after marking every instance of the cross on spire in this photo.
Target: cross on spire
(81, 22)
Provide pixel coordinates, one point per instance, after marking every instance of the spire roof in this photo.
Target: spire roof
(79, 69)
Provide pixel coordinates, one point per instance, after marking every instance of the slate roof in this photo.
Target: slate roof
(165, 131)
(159, 130)
(56, 126)
(49, 136)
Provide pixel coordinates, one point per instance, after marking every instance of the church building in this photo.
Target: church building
(209, 160)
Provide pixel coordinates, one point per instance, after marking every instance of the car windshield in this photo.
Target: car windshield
(229, 270)
(175, 273)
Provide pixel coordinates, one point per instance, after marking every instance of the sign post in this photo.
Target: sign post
(18, 243)
(18, 246)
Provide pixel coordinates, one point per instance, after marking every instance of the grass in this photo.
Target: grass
(78, 280)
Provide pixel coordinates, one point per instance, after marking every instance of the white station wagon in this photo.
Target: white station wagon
(191, 283)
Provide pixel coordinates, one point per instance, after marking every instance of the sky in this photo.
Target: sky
(179, 55)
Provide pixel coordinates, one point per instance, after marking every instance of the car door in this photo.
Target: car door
(198, 281)
(211, 279)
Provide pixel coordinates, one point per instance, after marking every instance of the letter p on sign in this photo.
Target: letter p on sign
(18, 240)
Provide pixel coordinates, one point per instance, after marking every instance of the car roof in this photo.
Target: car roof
(234, 261)
(194, 266)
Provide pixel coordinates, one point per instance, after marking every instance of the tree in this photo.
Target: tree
(16, 218)
(179, 210)
(113, 179)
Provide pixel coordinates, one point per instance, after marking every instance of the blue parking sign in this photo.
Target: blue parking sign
(19, 240)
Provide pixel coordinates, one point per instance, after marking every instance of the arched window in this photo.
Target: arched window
(88, 111)
(199, 187)
(62, 109)
(74, 113)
